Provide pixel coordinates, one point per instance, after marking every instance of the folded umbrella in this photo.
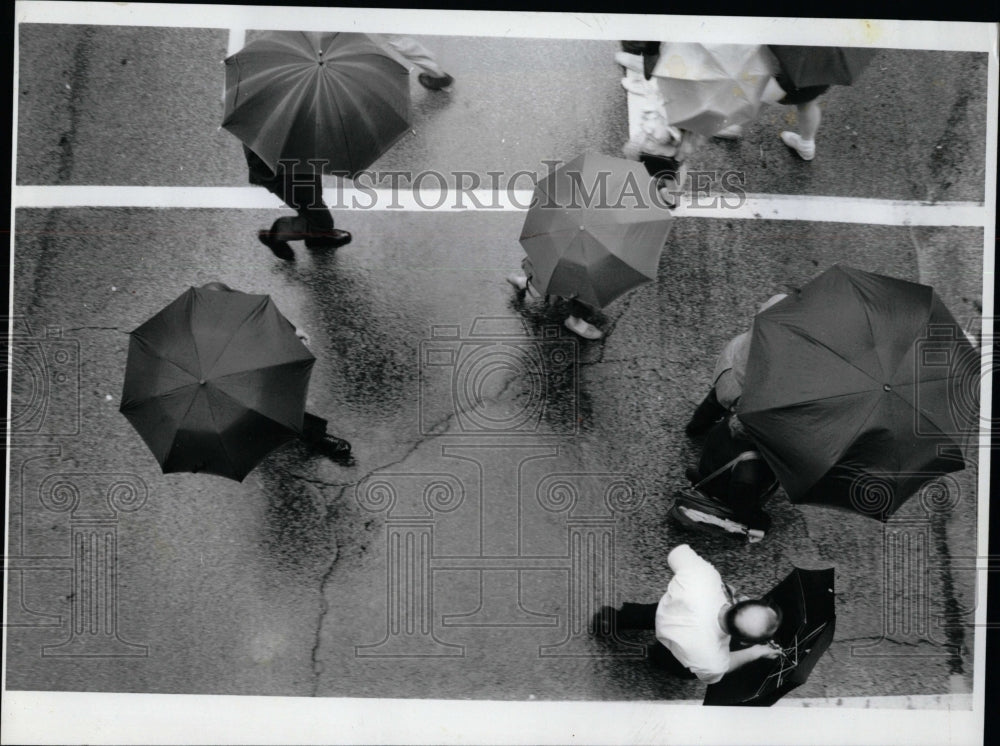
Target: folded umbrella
(859, 389)
(814, 66)
(215, 381)
(708, 87)
(595, 229)
(339, 98)
(806, 600)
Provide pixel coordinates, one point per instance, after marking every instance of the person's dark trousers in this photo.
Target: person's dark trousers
(636, 616)
(643, 616)
(580, 310)
(303, 192)
(664, 660)
(650, 51)
(706, 415)
(659, 166)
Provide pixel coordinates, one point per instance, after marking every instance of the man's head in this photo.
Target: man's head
(753, 621)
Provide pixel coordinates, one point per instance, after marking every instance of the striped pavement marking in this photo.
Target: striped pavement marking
(719, 206)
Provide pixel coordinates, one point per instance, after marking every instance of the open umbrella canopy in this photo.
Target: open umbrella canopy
(215, 381)
(859, 389)
(806, 600)
(814, 66)
(708, 87)
(595, 230)
(342, 99)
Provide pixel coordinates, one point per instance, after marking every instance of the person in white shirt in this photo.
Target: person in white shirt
(697, 620)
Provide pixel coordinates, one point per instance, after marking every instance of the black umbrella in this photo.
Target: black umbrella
(808, 618)
(859, 388)
(813, 66)
(216, 381)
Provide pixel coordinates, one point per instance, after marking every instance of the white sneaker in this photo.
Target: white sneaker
(732, 132)
(581, 327)
(805, 150)
(520, 282)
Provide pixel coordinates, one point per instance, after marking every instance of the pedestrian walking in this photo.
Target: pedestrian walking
(803, 142)
(591, 245)
(647, 51)
(432, 76)
(662, 148)
(806, 73)
(301, 188)
(579, 312)
(314, 428)
(697, 621)
(730, 484)
(727, 379)
(308, 103)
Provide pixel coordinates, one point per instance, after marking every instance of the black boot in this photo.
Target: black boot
(332, 239)
(279, 248)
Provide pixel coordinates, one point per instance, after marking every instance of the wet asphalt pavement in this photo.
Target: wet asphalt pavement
(493, 449)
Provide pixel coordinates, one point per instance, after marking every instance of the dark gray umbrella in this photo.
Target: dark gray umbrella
(808, 618)
(342, 99)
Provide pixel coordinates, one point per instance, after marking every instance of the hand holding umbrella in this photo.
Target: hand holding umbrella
(808, 621)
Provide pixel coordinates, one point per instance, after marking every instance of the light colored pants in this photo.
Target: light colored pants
(416, 53)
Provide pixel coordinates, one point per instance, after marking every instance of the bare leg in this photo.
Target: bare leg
(810, 116)
(804, 141)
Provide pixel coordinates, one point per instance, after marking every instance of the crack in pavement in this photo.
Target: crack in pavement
(324, 606)
(436, 429)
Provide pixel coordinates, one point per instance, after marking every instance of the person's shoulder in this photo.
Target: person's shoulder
(680, 553)
(683, 556)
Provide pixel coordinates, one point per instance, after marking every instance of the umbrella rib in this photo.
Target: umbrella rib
(246, 406)
(220, 379)
(180, 421)
(805, 335)
(343, 129)
(139, 402)
(256, 310)
(871, 330)
(779, 407)
(216, 431)
(272, 75)
(153, 352)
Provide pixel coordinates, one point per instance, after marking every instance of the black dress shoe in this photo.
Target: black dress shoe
(279, 248)
(333, 239)
(434, 83)
(692, 474)
(334, 448)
